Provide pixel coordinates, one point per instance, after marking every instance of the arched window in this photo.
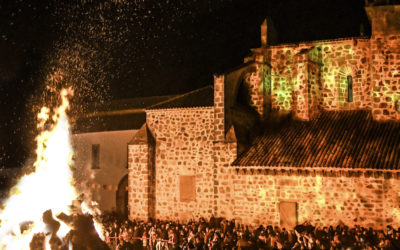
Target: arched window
(349, 88)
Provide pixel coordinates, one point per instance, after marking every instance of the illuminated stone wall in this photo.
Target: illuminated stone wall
(311, 75)
(219, 108)
(314, 88)
(188, 142)
(184, 146)
(255, 78)
(138, 181)
(253, 198)
(386, 77)
(225, 154)
(141, 177)
(254, 81)
(303, 81)
(284, 77)
(340, 59)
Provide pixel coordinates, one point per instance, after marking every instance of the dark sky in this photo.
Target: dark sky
(111, 49)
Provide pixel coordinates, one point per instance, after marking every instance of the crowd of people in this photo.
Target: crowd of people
(218, 233)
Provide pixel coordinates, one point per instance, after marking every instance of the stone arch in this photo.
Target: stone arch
(242, 94)
(122, 197)
(243, 114)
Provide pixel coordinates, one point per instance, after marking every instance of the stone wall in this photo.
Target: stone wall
(184, 147)
(138, 181)
(253, 198)
(306, 76)
(297, 99)
(338, 59)
(255, 78)
(254, 81)
(373, 65)
(314, 88)
(225, 154)
(386, 77)
(219, 108)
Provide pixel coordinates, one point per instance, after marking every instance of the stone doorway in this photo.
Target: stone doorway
(122, 197)
(288, 214)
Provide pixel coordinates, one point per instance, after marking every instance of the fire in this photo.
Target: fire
(50, 186)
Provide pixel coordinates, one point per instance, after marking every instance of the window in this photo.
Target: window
(349, 88)
(95, 156)
(187, 188)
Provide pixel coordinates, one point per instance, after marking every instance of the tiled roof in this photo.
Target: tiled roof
(109, 123)
(123, 114)
(130, 113)
(132, 103)
(203, 97)
(337, 139)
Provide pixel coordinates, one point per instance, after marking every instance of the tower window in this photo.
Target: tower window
(349, 88)
(95, 156)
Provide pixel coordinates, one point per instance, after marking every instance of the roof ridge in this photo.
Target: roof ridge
(320, 41)
(178, 97)
(140, 97)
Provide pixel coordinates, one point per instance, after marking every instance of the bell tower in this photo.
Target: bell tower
(268, 33)
(384, 16)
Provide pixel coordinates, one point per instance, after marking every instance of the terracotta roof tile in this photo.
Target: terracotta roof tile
(342, 139)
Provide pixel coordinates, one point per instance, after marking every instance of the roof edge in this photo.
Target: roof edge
(141, 136)
(154, 106)
(316, 169)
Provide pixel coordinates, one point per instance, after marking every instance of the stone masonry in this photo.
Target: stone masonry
(184, 143)
(138, 181)
(323, 198)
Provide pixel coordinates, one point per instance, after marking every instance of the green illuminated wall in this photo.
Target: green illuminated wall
(307, 77)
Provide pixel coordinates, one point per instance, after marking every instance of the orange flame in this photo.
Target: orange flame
(50, 186)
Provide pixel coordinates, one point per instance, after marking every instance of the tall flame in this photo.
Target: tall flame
(50, 186)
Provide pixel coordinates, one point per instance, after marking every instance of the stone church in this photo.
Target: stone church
(306, 131)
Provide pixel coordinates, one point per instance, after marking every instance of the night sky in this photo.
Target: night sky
(116, 49)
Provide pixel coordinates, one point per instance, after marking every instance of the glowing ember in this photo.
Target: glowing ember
(50, 186)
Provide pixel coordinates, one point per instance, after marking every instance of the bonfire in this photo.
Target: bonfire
(44, 210)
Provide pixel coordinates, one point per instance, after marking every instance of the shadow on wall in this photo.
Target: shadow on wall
(244, 117)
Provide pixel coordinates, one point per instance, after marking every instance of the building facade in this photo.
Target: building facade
(300, 132)
(100, 139)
